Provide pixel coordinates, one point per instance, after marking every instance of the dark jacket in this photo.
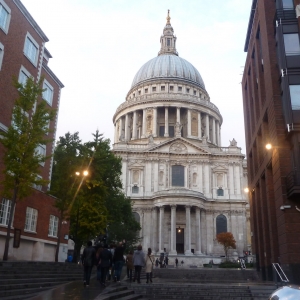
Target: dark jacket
(89, 256)
(105, 258)
(139, 258)
(119, 253)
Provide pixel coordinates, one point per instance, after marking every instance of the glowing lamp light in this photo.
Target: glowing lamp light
(269, 146)
(77, 173)
(85, 173)
(246, 190)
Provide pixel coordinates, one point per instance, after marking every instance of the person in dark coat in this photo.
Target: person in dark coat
(118, 260)
(105, 258)
(88, 261)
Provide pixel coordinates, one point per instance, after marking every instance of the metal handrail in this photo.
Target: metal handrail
(280, 273)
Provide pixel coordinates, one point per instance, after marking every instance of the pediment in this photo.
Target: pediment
(178, 146)
(219, 168)
(135, 165)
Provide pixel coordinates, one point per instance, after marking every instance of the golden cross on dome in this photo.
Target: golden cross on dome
(168, 18)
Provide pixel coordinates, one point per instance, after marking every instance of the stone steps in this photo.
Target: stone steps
(122, 293)
(21, 280)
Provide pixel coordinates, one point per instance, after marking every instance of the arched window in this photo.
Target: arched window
(177, 175)
(136, 217)
(220, 192)
(221, 224)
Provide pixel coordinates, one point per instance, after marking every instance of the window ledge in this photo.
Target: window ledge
(29, 231)
(5, 226)
(52, 236)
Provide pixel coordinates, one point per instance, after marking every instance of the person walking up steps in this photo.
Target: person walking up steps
(118, 260)
(149, 265)
(88, 261)
(138, 262)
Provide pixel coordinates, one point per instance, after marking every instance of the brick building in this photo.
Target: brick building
(23, 54)
(271, 97)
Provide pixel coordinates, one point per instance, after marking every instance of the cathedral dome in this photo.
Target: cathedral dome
(168, 66)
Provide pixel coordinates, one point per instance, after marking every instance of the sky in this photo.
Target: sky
(98, 46)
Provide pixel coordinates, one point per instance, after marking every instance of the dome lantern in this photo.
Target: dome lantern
(168, 39)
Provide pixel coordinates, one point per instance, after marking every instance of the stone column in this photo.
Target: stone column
(120, 129)
(154, 230)
(218, 134)
(198, 231)
(173, 230)
(154, 121)
(213, 130)
(207, 127)
(166, 122)
(199, 126)
(189, 123)
(144, 123)
(178, 114)
(188, 230)
(126, 128)
(134, 129)
(220, 140)
(161, 229)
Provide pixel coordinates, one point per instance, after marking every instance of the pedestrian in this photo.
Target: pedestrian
(129, 264)
(111, 269)
(149, 265)
(98, 261)
(88, 261)
(138, 262)
(118, 260)
(105, 263)
(156, 262)
(167, 261)
(176, 262)
(182, 262)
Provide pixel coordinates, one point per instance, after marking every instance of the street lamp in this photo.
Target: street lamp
(246, 190)
(269, 146)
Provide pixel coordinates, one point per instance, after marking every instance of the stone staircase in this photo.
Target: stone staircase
(204, 284)
(121, 292)
(22, 280)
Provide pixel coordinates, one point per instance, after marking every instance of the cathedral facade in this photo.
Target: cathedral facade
(185, 186)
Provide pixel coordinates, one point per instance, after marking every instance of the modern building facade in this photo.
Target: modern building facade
(185, 186)
(271, 97)
(23, 54)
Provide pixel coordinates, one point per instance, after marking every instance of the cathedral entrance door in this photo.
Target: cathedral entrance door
(180, 240)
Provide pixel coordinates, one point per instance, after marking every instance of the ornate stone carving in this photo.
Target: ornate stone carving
(178, 147)
(233, 143)
(194, 124)
(178, 128)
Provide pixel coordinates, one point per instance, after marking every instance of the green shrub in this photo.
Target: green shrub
(229, 264)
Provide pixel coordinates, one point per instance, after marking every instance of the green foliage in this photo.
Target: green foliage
(229, 265)
(95, 202)
(29, 129)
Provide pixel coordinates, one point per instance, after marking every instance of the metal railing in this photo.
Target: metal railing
(285, 14)
(278, 273)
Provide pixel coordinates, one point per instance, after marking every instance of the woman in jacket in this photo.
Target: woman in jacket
(149, 265)
(129, 264)
(138, 262)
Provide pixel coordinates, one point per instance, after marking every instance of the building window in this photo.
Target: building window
(48, 92)
(133, 94)
(154, 89)
(287, 4)
(295, 96)
(53, 226)
(188, 90)
(161, 131)
(146, 91)
(180, 89)
(1, 54)
(162, 88)
(31, 219)
(177, 175)
(5, 208)
(221, 224)
(291, 44)
(171, 131)
(195, 93)
(135, 189)
(168, 42)
(35, 186)
(5, 14)
(31, 49)
(23, 75)
(139, 92)
(41, 151)
(220, 192)
(171, 88)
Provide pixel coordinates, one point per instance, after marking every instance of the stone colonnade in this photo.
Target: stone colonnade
(149, 125)
(187, 234)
